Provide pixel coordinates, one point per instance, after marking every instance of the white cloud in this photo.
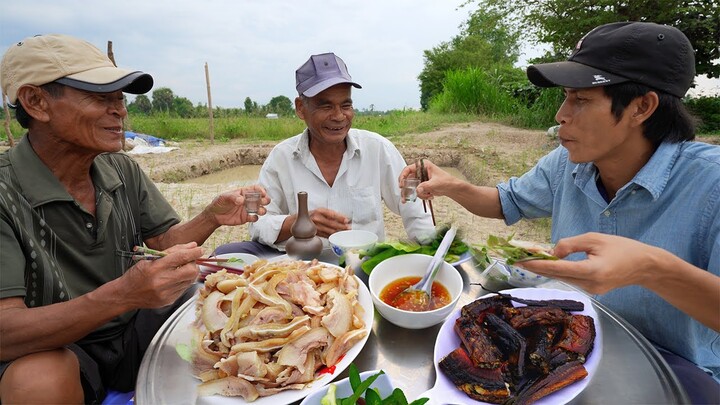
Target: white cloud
(252, 47)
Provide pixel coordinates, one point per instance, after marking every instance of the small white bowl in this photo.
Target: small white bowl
(354, 239)
(515, 276)
(383, 384)
(408, 265)
(247, 259)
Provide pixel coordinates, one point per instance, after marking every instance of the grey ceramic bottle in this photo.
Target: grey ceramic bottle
(304, 243)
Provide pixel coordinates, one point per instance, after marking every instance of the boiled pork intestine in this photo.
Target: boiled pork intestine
(273, 327)
(518, 355)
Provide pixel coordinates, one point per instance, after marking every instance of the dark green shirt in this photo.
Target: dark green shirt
(53, 250)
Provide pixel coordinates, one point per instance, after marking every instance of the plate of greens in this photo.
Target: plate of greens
(374, 387)
(459, 251)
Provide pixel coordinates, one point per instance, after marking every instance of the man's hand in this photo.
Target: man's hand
(612, 262)
(439, 182)
(228, 208)
(328, 222)
(157, 283)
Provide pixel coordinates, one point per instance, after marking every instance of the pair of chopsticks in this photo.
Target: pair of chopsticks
(424, 177)
(212, 264)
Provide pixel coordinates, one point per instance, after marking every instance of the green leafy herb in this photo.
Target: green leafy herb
(382, 251)
(235, 260)
(362, 387)
(516, 251)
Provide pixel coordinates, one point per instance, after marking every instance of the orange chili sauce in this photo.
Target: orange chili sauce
(389, 295)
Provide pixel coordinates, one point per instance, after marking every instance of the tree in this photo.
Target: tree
(250, 107)
(183, 107)
(561, 23)
(141, 105)
(484, 42)
(162, 99)
(281, 105)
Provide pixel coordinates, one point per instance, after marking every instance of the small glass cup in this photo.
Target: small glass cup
(409, 187)
(252, 201)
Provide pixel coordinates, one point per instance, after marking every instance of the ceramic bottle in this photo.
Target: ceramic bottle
(304, 243)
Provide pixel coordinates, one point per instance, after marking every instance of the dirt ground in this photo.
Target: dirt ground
(484, 153)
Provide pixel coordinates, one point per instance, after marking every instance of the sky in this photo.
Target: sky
(252, 47)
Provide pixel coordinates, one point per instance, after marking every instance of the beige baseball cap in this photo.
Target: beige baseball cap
(67, 60)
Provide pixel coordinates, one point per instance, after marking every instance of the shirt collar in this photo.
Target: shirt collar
(653, 176)
(302, 148)
(40, 186)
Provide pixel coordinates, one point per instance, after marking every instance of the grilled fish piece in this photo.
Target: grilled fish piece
(522, 317)
(559, 378)
(482, 384)
(510, 342)
(479, 345)
(579, 336)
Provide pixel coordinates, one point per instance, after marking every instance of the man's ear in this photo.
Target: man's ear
(299, 108)
(643, 107)
(34, 102)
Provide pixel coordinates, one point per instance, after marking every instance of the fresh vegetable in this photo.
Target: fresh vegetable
(385, 250)
(514, 251)
(372, 396)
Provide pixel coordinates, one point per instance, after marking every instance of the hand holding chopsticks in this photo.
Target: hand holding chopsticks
(211, 264)
(424, 177)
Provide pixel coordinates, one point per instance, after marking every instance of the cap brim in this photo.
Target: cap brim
(108, 80)
(326, 84)
(570, 74)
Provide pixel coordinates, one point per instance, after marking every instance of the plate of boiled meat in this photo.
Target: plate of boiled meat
(525, 345)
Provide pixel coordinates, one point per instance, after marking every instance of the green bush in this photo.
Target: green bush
(707, 109)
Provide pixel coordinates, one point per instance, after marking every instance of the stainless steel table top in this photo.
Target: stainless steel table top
(631, 371)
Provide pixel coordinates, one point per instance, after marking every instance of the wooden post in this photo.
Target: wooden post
(128, 124)
(11, 141)
(210, 111)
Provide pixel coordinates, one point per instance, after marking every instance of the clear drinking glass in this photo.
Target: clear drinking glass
(252, 201)
(409, 187)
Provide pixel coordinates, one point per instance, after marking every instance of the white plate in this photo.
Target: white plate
(383, 384)
(445, 391)
(290, 396)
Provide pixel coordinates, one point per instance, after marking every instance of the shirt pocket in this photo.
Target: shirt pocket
(365, 204)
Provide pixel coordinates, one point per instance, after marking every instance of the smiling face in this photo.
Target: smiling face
(589, 130)
(328, 115)
(89, 121)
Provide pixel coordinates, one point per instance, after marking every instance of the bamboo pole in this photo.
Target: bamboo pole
(11, 141)
(128, 123)
(210, 111)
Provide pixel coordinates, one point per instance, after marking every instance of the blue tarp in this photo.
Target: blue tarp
(151, 140)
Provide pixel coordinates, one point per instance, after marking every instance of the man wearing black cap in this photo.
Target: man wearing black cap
(77, 315)
(634, 202)
(348, 173)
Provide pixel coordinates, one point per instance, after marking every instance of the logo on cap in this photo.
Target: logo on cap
(600, 79)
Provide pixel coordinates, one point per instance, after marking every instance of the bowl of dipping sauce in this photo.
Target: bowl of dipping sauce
(391, 276)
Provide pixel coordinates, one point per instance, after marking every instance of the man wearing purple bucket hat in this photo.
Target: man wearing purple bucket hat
(635, 204)
(348, 173)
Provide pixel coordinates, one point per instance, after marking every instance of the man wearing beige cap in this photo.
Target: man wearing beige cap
(77, 313)
(348, 173)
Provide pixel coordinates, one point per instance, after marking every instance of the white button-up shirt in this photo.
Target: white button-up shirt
(368, 176)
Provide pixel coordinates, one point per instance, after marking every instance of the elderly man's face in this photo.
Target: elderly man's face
(328, 115)
(93, 121)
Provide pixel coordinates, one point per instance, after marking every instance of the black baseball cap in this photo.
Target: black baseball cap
(658, 56)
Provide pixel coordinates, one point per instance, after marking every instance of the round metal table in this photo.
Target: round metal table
(631, 370)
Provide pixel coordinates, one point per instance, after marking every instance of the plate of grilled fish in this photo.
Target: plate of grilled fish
(525, 345)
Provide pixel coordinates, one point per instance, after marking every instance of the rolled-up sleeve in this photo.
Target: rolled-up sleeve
(532, 194)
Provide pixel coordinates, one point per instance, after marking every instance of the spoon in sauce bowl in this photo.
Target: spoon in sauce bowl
(417, 297)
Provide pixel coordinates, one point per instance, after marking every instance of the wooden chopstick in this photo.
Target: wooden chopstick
(424, 177)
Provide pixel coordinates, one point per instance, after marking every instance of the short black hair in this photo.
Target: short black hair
(671, 122)
(55, 90)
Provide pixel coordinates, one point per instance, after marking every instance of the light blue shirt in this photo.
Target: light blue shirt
(673, 202)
